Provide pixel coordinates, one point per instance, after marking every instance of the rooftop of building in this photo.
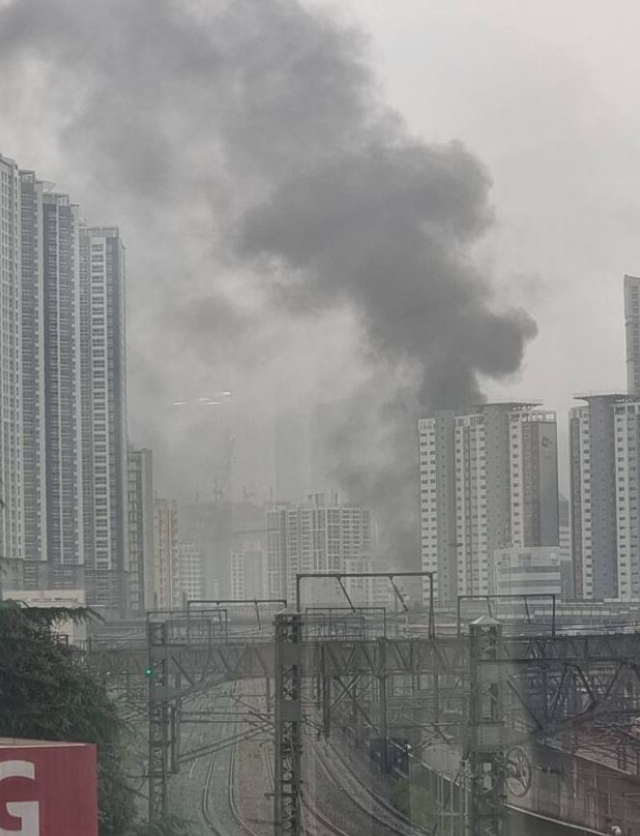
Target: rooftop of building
(611, 395)
(522, 405)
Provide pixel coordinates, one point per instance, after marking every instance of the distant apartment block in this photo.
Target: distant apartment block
(167, 592)
(140, 523)
(62, 383)
(190, 573)
(11, 474)
(605, 471)
(528, 571)
(62, 386)
(373, 592)
(593, 495)
(488, 481)
(248, 569)
(564, 540)
(104, 414)
(632, 332)
(320, 535)
(34, 356)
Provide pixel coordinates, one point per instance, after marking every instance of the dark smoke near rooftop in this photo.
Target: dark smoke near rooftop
(265, 194)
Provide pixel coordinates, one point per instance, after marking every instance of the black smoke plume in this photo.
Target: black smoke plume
(265, 192)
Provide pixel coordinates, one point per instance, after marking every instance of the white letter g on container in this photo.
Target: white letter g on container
(27, 811)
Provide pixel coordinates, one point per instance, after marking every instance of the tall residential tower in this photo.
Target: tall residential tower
(321, 535)
(605, 489)
(488, 481)
(104, 434)
(140, 524)
(62, 395)
(11, 484)
(632, 332)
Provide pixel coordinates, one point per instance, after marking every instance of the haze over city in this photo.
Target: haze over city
(319, 418)
(177, 153)
(547, 105)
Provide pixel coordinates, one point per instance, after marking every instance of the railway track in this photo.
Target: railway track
(412, 829)
(388, 819)
(380, 818)
(359, 812)
(238, 823)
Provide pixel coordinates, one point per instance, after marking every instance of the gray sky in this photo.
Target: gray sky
(147, 124)
(546, 94)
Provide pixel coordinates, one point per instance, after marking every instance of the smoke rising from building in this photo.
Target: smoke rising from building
(286, 231)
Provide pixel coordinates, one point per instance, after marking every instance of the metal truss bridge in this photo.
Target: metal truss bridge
(504, 718)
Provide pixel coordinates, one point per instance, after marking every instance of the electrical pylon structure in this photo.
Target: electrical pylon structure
(484, 697)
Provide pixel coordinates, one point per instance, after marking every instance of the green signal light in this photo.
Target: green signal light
(148, 672)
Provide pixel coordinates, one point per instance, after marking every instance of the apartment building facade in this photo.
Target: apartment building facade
(488, 481)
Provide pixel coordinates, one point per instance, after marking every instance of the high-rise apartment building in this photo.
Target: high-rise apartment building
(167, 593)
(564, 541)
(626, 417)
(103, 403)
(318, 536)
(33, 381)
(62, 386)
(605, 488)
(594, 527)
(632, 332)
(438, 503)
(190, 573)
(248, 575)
(11, 484)
(62, 395)
(140, 530)
(50, 380)
(488, 481)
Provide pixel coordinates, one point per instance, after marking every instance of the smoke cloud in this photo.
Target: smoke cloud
(287, 236)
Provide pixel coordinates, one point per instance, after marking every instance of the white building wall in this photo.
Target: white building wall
(249, 569)
(33, 379)
(62, 388)
(237, 576)
(517, 484)
(472, 543)
(191, 572)
(582, 532)
(140, 505)
(430, 534)
(372, 592)
(318, 536)
(627, 464)
(104, 414)
(11, 484)
(528, 571)
(166, 563)
(499, 476)
(632, 332)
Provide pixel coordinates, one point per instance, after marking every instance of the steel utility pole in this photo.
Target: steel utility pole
(288, 726)
(485, 740)
(159, 722)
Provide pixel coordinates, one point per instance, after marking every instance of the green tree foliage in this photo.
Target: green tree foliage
(47, 694)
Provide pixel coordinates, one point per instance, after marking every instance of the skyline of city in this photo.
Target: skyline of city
(319, 418)
(67, 450)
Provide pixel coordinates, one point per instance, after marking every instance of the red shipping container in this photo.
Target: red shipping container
(48, 789)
